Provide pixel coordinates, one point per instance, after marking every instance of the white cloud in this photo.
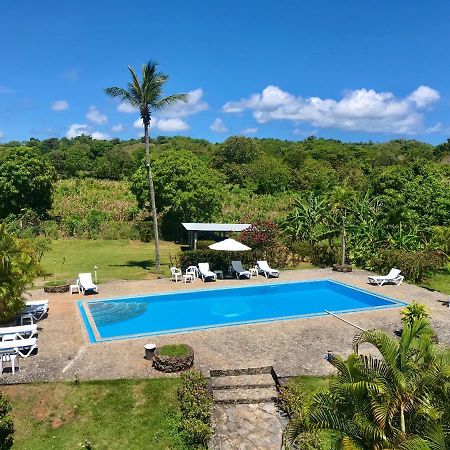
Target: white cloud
(358, 110)
(98, 136)
(77, 129)
(193, 105)
(126, 108)
(424, 96)
(60, 105)
(171, 125)
(249, 131)
(1, 134)
(218, 126)
(167, 125)
(117, 128)
(95, 116)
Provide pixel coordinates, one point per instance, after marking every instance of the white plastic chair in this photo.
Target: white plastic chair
(9, 356)
(176, 274)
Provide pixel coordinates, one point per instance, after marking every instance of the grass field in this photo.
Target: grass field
(439, 282)
(116, 260)
(116, 414)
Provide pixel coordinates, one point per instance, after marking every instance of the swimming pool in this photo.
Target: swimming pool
(173, 312)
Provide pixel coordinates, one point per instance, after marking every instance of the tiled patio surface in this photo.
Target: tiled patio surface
(292, 347)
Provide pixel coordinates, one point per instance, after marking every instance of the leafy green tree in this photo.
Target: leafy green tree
(146, 96)
(398, 401)
(270, 175)
(186, 189)
(234, 156)
(25, 181)
(18, 267)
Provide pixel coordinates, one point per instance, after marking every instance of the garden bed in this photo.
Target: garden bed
(173, 358)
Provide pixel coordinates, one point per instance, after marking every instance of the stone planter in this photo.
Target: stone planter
(342, 267)
(57, 289)
(170, 364)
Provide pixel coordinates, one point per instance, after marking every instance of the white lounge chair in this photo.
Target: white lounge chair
(20, 332)
(34, 311)
(24, 347)
(85, 283)
(176, 274)
(392, 277)
(264, 268)
(205, 272)
(239, 270)
(35, 303)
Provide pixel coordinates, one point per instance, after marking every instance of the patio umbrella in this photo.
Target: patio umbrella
(229, 245)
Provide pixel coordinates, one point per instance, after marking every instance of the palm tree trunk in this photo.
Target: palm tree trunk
(402, 420)
(343, 241)
(152, 197)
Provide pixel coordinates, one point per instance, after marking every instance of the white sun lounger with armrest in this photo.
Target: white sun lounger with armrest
(205, 272)
(239, 270)
(24, 347)
(264, 268)
(392, 277)
(20, 332)
(85, 283)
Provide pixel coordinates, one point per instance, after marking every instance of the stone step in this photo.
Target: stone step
(242, 381)
(235, 372)
(244, 396)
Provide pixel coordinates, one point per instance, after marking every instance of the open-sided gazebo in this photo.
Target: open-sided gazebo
(219, 228)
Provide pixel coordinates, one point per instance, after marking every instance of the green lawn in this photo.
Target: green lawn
(439, 282)
(120, 414)
(120, 260)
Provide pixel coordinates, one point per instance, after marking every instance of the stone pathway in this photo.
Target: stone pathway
(245, 416)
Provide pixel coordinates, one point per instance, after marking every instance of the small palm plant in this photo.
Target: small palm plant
(414, 311)
(398, 401)
(146, 96)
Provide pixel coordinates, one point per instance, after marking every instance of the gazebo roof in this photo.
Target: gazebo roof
(216, 226)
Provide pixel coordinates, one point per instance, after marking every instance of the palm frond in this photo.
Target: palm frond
(170, 100)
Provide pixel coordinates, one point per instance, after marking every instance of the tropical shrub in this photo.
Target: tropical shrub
(195, 404)
(6, 424)
(18, 267)
(414, 311)
(415, 265)
(217, 260)
(399, 400)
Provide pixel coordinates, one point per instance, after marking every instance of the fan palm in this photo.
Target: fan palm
(396, 402)
(146, 96)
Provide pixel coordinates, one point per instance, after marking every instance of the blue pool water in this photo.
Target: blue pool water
(183, 311)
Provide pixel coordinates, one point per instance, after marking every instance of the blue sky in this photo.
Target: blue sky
(348, 69)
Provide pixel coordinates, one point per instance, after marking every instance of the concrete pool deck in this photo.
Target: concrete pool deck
(292, 347)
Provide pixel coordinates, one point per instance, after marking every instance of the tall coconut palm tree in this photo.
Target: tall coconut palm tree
(146, 96)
